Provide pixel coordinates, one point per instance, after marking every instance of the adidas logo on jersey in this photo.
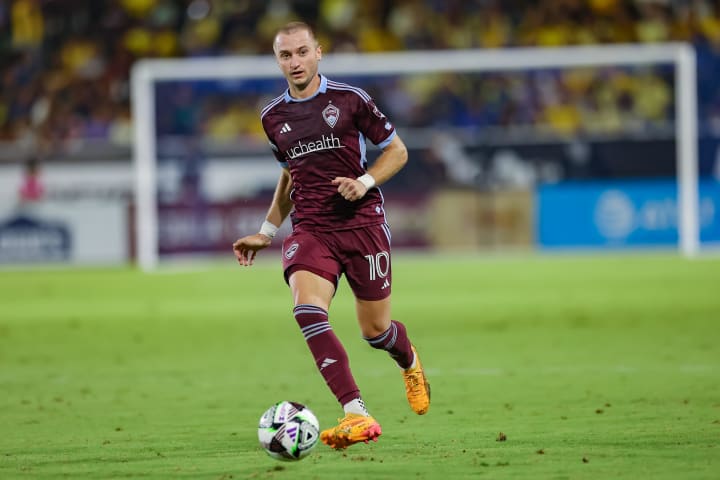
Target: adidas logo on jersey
(327, 362)
(386, 284)
(285, 128)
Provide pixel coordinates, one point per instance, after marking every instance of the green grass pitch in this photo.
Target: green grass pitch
(601, 367)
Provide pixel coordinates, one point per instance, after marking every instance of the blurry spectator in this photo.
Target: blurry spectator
(28, 28)
(31, 189)
(138, 8)
(554, 27)
(653, 24)
(494, 28)
(709, 23)
(652, 98)
(120, 129)
(82, 60)
(192, 164)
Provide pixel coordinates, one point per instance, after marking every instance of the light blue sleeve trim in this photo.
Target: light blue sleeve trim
(363, 150)
(387, 141)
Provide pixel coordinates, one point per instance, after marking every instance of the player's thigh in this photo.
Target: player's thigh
(368, 269)
(373, 316)
(365, 255)
(310, 268)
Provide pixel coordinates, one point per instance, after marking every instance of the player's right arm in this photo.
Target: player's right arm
(246, 248)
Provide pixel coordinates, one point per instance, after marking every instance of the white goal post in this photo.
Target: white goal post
(682, 56)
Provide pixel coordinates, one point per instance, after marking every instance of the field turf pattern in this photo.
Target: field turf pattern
(558, 367)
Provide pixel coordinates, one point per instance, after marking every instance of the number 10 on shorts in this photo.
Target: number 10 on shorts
(379, 264)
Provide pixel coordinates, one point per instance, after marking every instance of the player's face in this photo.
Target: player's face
(298, 55)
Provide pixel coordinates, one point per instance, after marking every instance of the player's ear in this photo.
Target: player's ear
(318, 52)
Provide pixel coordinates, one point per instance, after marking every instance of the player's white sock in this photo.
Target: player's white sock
(356, 406)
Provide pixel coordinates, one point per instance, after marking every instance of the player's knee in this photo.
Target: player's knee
(307, 315)
(381, 339)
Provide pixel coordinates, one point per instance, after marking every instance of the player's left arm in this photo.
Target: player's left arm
(392, 159)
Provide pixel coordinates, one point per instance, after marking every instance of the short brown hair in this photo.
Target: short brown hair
(292, 27)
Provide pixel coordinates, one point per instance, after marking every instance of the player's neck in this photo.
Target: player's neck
(308, 91)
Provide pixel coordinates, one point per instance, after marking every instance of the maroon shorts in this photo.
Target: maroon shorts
(362, 254)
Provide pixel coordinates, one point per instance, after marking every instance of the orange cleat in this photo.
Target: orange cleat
(417, 387)
(352, 429)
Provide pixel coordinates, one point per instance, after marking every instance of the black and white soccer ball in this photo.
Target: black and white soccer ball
(288, 431)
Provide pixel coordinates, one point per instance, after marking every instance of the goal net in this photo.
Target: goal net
(193, 114)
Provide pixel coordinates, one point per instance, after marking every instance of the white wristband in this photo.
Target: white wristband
(268, 229)
(367, 180)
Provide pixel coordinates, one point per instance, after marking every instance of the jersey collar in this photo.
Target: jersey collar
(321, 89)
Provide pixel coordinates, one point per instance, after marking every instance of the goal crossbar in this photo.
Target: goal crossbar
(146, 72)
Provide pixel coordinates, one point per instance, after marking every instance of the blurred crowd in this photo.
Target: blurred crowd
(65, 64)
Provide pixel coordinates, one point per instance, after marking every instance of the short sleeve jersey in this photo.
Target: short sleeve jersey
(323, 137)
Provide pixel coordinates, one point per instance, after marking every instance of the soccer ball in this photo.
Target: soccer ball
(288, 431)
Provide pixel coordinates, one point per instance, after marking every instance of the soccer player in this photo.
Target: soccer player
(317, 130)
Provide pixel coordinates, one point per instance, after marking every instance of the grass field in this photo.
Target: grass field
(601, 367)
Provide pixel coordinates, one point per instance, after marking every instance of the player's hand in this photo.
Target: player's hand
(247, 247)
(351, 189)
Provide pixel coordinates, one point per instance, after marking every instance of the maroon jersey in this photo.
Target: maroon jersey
(323, 137)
